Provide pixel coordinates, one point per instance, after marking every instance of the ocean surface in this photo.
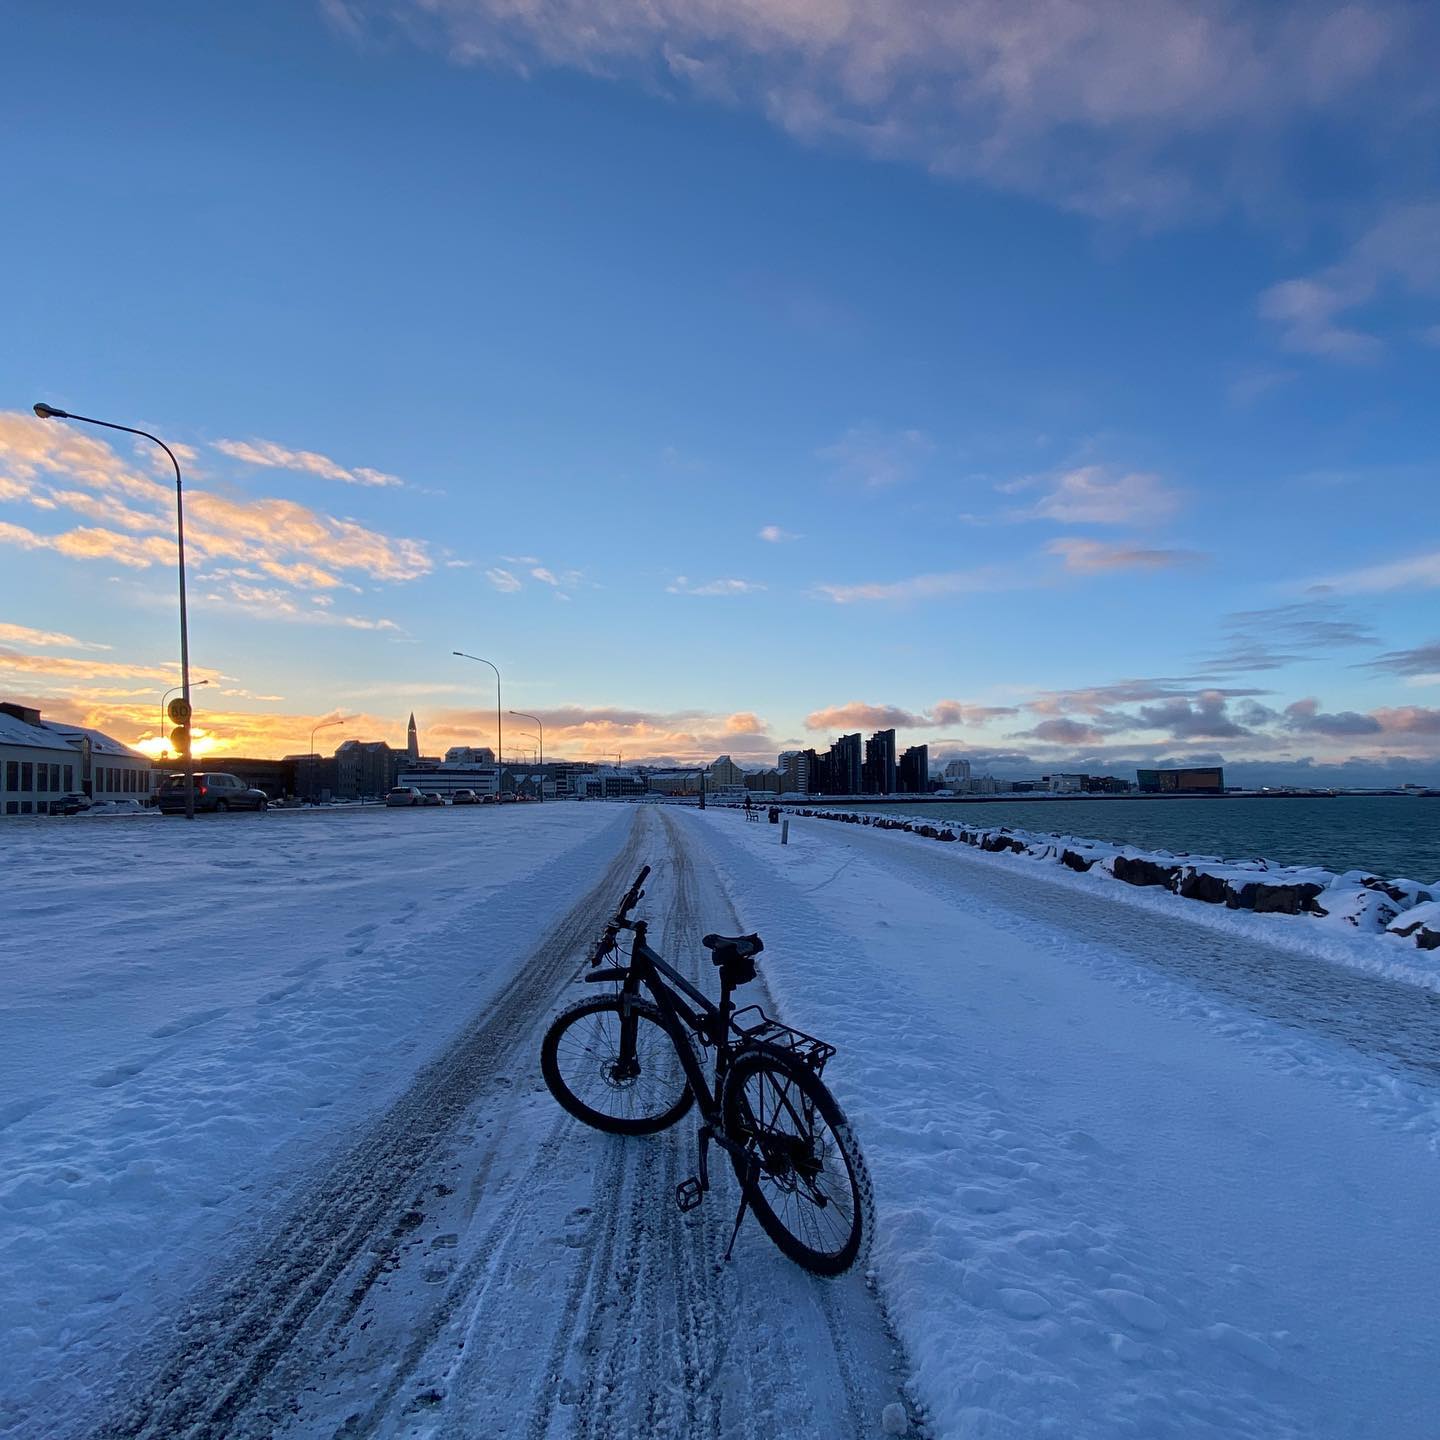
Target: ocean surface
(1395, 836)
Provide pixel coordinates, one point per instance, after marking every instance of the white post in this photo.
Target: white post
(784, 832)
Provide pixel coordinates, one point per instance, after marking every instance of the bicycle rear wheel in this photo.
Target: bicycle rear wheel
(807, 1179)
(626, 1089)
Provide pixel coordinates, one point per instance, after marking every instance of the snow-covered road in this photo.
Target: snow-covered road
(288, 1167)
(451, 1254)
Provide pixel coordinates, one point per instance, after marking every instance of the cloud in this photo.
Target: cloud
(774, 535)
(1409, 720)
(1099, 106)
(1418, 571)
(598, 732)
(24, 635)
(13, 662)
(503, 580)
(1400, 252)
(1421, 664)
(920, 587)
(226, 539)
(1090, 557)
(858, 715)
(268, 453)
(1064, 731)
(681, 585)
(876, 458)
(1204, 717)
(1307, 717)
(1100, 495)
(1286, 634)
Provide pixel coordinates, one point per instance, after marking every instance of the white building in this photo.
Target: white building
(957, 770)
(43, 760)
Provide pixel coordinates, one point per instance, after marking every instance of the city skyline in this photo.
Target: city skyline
(728, 400)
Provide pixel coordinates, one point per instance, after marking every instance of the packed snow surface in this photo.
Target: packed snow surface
(275, 1158)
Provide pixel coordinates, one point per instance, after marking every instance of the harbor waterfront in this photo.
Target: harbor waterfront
(1393, 835)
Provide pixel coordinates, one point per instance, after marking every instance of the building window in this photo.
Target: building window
(12, 777)
(55, 778)
(69, 778)
(27, 777)
(12, 807)
(26, 808)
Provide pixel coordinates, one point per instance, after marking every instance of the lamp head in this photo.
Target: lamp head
(49, 412)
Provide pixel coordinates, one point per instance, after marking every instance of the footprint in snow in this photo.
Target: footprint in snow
(1135, 1310)
(980, 1201)
(1023, 1304)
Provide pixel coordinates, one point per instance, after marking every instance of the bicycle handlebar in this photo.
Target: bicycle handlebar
(620, 919)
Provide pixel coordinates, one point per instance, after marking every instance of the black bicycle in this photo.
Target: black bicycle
(628, 1065)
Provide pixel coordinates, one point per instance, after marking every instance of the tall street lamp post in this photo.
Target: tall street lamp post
(540, 725)
(49, 412)
(499, 730)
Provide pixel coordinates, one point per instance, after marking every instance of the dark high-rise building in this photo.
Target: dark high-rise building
(845, 766)
(913, 772)
(880, 763)
(798, 772)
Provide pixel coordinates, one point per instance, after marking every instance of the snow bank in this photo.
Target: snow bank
(1402, 912)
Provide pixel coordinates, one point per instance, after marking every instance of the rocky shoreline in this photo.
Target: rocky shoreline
(1357, 899)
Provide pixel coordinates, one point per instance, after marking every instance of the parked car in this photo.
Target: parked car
(489, 799)
(432, 798)
(70, 804)
(403, 795)
(214, 791)
(507, 797)
(464, 797)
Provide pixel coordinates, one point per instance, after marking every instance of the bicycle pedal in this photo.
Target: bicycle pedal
(688, 1194)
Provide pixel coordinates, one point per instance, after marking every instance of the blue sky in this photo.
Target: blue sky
(1056, 384)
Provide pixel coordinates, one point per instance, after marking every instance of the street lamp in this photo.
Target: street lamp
(541, 724)
(168, 694)
(319, 725)
(50, 412)
(499, 731)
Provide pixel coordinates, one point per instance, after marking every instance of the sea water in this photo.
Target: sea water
(1391, 835)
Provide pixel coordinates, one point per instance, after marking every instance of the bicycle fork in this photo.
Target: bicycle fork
(689, 1193)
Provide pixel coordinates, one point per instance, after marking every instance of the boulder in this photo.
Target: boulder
(1144, 872)
(1279, 899)
(1075, 861)
(1197, 885)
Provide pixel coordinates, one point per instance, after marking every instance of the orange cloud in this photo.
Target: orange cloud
(281, 539)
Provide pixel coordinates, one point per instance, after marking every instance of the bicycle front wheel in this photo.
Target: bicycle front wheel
(627, 1084)
(808, 1183)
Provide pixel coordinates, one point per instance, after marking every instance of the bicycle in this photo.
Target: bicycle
(627, 1065)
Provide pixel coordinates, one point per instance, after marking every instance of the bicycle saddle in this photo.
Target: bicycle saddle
(733, 947)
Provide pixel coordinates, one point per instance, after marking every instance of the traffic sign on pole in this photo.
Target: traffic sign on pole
(180, 739)
(179, 711)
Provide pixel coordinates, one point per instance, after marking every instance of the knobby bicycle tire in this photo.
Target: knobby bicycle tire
(824, 1239)
(573, 1053)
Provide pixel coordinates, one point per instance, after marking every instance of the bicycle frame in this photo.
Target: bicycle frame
(711, 1022)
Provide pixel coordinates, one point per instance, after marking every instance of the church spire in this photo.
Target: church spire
(412, 739)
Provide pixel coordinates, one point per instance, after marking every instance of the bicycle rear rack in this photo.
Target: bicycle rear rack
(765, 1031)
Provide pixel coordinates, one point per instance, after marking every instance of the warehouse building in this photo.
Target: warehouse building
(43, 760)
